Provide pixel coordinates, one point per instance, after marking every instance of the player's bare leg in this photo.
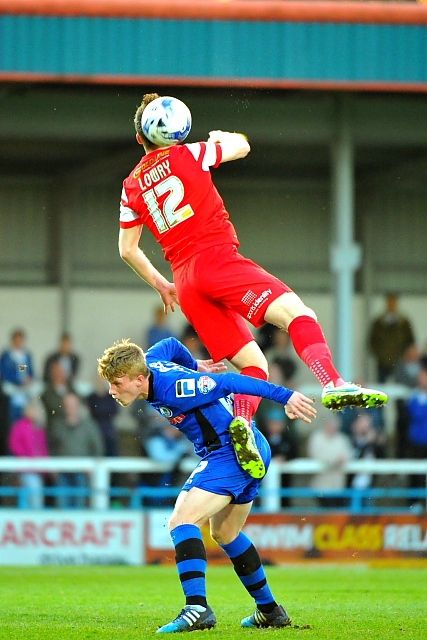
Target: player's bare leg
(289, 313)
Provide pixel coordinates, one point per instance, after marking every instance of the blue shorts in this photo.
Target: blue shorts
(220, 473)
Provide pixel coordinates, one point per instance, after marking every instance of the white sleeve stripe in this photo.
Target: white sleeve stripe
(210, 156)
(194, 149)
(127, 214)
(124, 195)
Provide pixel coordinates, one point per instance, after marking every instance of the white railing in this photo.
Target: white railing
(100, 469)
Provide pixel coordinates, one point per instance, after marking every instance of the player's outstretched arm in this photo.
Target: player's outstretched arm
(133, 255)
(233, 145)
(299, 406)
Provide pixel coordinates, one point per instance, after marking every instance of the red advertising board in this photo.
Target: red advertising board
(282, 538)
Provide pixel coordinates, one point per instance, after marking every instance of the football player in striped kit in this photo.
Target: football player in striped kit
(197, 398)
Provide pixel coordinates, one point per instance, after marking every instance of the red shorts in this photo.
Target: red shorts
(218, 289)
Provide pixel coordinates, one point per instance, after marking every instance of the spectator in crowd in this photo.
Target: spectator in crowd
(74, 435)
(52, 397)
(280, 434)
(417, 432)
(280, 354)
(191, 340)
(368, 444)
(168, 445)
(28, 439)
(264, 336)
(333, 449)
(103, 409)
(17, 373)
(69, 360)
(407, 371)
(159, 329)
(390, 335)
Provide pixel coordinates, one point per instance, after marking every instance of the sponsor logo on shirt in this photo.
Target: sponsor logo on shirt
(177, 419)
(249, 297)
(262, 299)
(205, 384)
(185, 388)
(166, 412)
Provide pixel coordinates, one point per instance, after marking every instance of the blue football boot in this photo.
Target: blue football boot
(190, 620)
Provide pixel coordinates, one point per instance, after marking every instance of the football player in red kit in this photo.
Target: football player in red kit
(172, 193)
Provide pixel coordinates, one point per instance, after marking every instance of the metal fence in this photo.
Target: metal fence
(100, 494)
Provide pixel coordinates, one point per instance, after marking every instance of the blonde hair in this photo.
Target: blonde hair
(124, 358)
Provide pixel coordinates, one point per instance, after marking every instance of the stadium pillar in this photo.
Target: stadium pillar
(345, 253)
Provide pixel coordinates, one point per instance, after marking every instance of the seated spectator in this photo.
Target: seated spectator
(281, 354)
(159, 329)
(349, 414)
(52, 397)
(65, 355)
(333, 448)
(406, 373)
(17, 373)
(28, 439)
(103, 408)
(367, 444)
(167, 444)
(74, 435)
(417, 431)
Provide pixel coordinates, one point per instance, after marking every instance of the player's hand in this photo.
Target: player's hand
(209, 366)
(216, 136)
(169, 297)
(299, 406)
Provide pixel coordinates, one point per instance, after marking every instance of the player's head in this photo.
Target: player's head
(124, 367)
(124, 358)
(142, 139)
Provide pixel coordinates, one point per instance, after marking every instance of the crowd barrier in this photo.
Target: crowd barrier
(100, 492)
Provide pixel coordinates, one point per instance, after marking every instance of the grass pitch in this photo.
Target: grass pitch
(125, 603)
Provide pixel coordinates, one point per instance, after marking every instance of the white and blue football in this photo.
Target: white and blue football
(166, 121)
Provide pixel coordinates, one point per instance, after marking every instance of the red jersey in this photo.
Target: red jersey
(172, 193)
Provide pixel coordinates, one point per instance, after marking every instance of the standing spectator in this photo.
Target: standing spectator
(159, 329)
(390, 335)
(103, 408)
(75, 435)
(69, 360)
(17, 373)
(333, 449)
(417, 432)
(28, 439)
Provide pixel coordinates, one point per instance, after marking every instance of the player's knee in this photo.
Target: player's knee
(223, 535)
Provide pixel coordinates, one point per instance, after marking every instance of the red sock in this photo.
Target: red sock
(311, 346)
(245, 406)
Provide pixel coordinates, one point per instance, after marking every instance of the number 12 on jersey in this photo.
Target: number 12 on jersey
(169, 213)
